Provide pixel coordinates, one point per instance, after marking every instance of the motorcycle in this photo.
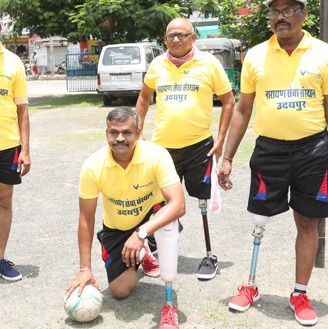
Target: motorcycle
(60, 68)
(28, 70)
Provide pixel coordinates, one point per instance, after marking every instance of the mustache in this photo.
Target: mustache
(120, 143)
(282, 22)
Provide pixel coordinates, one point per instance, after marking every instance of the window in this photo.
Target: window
(121, 56)
(149, 55)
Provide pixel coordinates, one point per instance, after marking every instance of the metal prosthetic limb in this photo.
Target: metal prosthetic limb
(168, 290)
(257, 234)
(203, 208)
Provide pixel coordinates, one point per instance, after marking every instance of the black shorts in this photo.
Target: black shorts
(8, 166)
(296, 167)
(194, 166)
(112, 242)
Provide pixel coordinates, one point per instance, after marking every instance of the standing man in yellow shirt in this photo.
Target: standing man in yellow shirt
(184, 79)
(287, 76)
(14, 146)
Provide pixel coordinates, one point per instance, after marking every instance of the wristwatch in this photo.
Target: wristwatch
(142, 234)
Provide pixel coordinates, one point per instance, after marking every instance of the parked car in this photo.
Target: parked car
(121, 69)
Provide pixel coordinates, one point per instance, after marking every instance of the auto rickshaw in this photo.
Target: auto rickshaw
(231, 55)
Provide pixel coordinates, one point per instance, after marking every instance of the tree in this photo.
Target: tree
(112, 21)
(117, 21)
(44, 17)
(254, 27)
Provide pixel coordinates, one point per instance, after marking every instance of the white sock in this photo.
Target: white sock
(299, 289)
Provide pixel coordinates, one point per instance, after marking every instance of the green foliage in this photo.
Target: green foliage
(117, 21)
(208, 8)
(255, 27)
(44, 17)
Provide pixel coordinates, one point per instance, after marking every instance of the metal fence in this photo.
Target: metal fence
(81, 71)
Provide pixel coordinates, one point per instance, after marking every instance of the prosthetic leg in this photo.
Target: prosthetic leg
(257, 234)
(260, 222)
(209, 265)
(248, 294)
(167, 239)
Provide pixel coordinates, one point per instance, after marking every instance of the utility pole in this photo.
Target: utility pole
(320, 259)
(51, 56)
(324, 20)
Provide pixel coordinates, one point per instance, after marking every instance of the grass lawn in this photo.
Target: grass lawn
(77, 100)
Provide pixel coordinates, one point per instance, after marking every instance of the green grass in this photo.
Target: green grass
(75, 100)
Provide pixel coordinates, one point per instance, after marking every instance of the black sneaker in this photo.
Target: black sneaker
(8, 272)
(152, 244)
(180, 226)
(207, 268)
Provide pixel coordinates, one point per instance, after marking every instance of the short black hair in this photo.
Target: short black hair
(122, 114)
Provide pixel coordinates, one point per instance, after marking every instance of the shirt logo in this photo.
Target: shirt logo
(314, 74)
(3, 92)
(136, 187)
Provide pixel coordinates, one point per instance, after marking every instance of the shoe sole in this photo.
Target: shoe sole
(304, 322)
(243, 308)
(16, 278)
(156, 275)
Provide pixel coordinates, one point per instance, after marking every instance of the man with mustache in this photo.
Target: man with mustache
(141, 194)
(287, 77)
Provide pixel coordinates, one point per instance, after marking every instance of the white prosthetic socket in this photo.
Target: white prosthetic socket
(259, 221)
(167, 239)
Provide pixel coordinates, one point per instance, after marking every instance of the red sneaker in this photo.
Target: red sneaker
(169, 318)
(150, 265)
(244, 299)
(304, 313)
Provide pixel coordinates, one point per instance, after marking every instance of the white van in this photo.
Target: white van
(122, 67)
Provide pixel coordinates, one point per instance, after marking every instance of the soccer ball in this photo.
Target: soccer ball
(86, 307)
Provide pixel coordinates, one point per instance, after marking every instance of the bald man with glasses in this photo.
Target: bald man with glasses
(184, 79)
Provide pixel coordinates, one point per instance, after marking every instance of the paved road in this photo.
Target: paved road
(37, 88)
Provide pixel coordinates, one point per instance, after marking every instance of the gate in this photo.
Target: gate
(81, 71)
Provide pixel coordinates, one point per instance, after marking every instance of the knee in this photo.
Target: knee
(6, 198)
(260, 220)
(122, 286)
(120, 292)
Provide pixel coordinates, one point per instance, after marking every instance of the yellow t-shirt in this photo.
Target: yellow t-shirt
(128, 194)
(13, 92)
(184, 98)
(289, 89)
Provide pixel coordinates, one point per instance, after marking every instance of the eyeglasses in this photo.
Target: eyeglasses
(181, 36)
(289, 12)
